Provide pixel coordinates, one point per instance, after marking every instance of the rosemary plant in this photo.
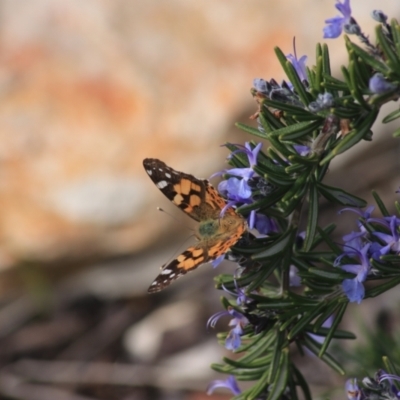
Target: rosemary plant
(287, 291)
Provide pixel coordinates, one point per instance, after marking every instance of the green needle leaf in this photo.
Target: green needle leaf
(312, 216)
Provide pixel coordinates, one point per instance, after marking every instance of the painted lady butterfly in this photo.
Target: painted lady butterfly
(202, 202)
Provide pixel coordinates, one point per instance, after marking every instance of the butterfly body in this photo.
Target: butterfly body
(216, 233)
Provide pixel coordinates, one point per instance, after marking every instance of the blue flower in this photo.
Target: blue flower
(382, 375)
(229, 383)
(375, 250)
(393, 240)
(262, 223)
(236, 188)
(324, 101)
(233, 340)
(379, 387)
(294, 278)
(302, 150)
(352, 389)
(353, 288)
(218, 261)
(363, 214)
(247, 172)
(238, 322)
(337, 24)
(379, 16)
(252, 154)
(241, 297)
(379, 85)
(261, 85)
(354, 241)
(299, 65)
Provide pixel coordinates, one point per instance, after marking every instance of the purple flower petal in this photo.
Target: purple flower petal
(218, 261)
(229, 383)
(212, 321)
(232, 341)
(379, 85)
(336, 24)
(354, 290)
(302, 149)
(260, 85)
(235, 189)
(265, 225)
(252, 154)
(352, 389)
(299, 65)
(294, 278)
(344, 8)
(333, 29)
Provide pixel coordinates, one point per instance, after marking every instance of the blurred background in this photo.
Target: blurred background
(87, 90)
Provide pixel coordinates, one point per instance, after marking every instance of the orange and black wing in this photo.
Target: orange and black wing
(189, 260)
(200, 201)
(184, 190)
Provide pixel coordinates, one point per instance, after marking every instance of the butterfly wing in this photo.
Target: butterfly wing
(189, 260)
(198, 199)
(184, 190)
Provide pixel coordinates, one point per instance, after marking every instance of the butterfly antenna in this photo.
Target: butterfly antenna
(177, 250)
(176, 219)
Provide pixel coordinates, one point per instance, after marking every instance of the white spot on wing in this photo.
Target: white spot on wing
(168, 175)
(166, 271)
(149, 171)
(162, 184)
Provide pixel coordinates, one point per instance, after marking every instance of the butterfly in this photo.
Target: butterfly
(216, 232)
